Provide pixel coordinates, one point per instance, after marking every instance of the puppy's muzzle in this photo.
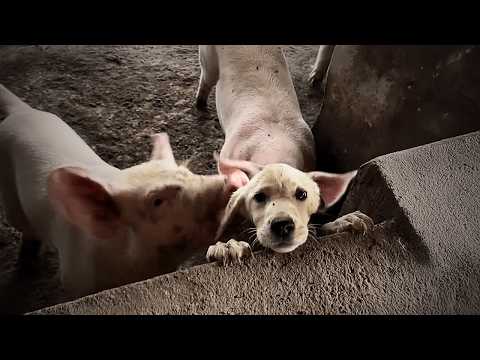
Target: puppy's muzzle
(282, 228)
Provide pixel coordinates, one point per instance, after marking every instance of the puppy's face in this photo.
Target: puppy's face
(279, 200)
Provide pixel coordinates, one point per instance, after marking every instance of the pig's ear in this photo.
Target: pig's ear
(332, 186)
(238, 172)
(236, 179)
(84, 202)
(162, 149)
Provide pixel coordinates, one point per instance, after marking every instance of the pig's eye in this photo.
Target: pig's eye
(160, 197)
(301, 194)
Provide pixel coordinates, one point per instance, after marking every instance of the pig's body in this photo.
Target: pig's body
(257, 105)
(33, 143)
(110, 226)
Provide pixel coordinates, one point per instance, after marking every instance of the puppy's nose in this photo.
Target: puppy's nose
(282, 227)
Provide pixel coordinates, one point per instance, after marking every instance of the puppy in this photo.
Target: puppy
(269, 151)
(110, 226)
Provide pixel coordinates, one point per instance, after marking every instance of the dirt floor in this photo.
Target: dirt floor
(114, 97)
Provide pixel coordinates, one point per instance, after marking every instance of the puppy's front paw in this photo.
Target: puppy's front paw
(229, 251)
(356, 222)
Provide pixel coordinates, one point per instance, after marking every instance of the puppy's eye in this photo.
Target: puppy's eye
(301, 194)
(260, 197)
(157, 202)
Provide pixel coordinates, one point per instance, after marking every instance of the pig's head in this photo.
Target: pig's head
(150, 216)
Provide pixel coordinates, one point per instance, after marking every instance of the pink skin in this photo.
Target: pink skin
(259, 112)
(110, 226)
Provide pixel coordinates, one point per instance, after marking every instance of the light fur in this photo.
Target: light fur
(279, 182)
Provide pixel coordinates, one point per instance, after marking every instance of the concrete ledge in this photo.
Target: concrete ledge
(433, 192)
(426, 261)
(338, 275)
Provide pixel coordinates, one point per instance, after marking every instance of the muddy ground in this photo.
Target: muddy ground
(114, 97)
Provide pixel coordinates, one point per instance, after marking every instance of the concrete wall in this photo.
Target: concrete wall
(381, 99)
(433, 192)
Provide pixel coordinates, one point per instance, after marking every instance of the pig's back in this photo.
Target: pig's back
(253, 77)
(38, 136)
(33, 143)
(253, 68)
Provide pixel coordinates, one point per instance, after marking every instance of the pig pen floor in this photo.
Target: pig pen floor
(114, 97)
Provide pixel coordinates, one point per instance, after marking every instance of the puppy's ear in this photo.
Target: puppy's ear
(162, 149)
(236, 206)
(84, 202)
(238, 172)
(332, 186)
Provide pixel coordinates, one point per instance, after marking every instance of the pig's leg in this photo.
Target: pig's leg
(16, 216)
(319, 71)
(208, 74)
(31, 246)
(11, 202)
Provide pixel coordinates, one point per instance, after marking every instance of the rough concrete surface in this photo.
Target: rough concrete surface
(423, 259)
(381, 99)
(433, 191)
(337, 275)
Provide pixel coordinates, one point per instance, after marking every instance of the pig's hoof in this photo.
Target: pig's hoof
(201, 103)
(356, 222)
(230, 251)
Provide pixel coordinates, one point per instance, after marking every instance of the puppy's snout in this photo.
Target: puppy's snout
(282, 227)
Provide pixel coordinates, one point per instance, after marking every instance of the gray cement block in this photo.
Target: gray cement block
(433, 192)
(339, 275)
(424, 261)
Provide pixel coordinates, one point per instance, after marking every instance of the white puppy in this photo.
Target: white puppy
(110, 226)
(259, 112)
